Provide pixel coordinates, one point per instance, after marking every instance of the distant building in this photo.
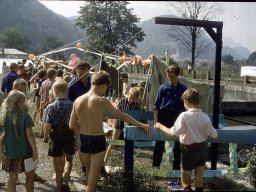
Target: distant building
(9, 53)
(176, 56)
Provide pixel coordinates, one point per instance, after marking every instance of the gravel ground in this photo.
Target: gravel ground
(44, 170)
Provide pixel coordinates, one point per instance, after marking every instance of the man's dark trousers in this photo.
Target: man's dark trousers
(167, 119)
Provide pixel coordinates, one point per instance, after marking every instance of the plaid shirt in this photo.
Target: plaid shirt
(57, 112)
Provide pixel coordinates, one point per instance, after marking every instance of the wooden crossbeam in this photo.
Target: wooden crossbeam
(228, 134)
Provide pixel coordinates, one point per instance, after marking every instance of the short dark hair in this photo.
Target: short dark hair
(13, 66)
(41, 73)
(100, 78)
(51, 72)
(124, 76)
(174, 68)
(59, 72)
(83, 63)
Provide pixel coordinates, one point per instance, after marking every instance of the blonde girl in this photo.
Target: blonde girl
(17, 141)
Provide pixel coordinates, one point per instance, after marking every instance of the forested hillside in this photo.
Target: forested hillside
(37, 22)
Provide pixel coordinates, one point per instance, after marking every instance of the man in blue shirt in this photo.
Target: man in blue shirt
(81, 84)
(168, 106)
(78, 86)
(9, 78)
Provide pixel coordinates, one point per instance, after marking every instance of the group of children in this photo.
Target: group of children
(78, 125)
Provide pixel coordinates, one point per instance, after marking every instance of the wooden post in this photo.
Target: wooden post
(128, 164)
(194, 74)
(208, 75)
(246, 78)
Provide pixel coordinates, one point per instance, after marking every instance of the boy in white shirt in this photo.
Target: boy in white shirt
(126, 84)
(192, 127)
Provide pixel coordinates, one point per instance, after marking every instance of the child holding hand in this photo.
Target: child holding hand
(192, 127)
(17, 141)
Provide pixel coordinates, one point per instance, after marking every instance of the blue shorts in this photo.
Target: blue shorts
(92, 143)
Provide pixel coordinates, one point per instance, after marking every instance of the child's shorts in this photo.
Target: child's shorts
(92, 143)
(194, 155)
(61, 142)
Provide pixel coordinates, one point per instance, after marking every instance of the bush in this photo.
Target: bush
(249, 157)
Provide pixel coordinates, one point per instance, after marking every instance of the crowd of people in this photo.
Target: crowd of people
(71, 107)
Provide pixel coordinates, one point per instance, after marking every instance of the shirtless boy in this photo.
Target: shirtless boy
(87, 118)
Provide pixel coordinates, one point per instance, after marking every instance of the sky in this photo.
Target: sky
(238, 17)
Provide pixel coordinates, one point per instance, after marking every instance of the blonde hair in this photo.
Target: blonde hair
(13, 104)
(20, 85)
(134, 91)
(141, 90)
(60, 86)
(191, 95)
(67, 78)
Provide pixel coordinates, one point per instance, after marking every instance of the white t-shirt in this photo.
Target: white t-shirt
(126, 87)
(193, 126)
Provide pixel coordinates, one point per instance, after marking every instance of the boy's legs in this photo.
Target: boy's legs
(44, 130)
(82, 162)
(67, 167)
(186, 179)
(85, 157)
(30, 181)
(41, 115)
(199, 183)
(96, 163)
(13, 177)
(58, 164)
(37, 106)
(116, 134)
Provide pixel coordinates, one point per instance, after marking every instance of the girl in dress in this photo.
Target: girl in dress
(17, 141)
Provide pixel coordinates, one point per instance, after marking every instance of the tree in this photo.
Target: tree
(228, 59)
(252, 59)
(50, 43)
(13, 38)
(112, 26)
(191, 37)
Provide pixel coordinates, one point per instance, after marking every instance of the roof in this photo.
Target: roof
(10, 51)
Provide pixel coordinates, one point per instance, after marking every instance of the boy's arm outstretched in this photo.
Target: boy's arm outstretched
(125, 117)
(165, 130)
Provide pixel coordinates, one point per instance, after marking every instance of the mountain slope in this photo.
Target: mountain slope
(37, 22)
(158, 41)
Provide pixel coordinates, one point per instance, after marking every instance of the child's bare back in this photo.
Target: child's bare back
(89, 109)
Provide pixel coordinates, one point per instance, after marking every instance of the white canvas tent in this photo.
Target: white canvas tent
(156, 77)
